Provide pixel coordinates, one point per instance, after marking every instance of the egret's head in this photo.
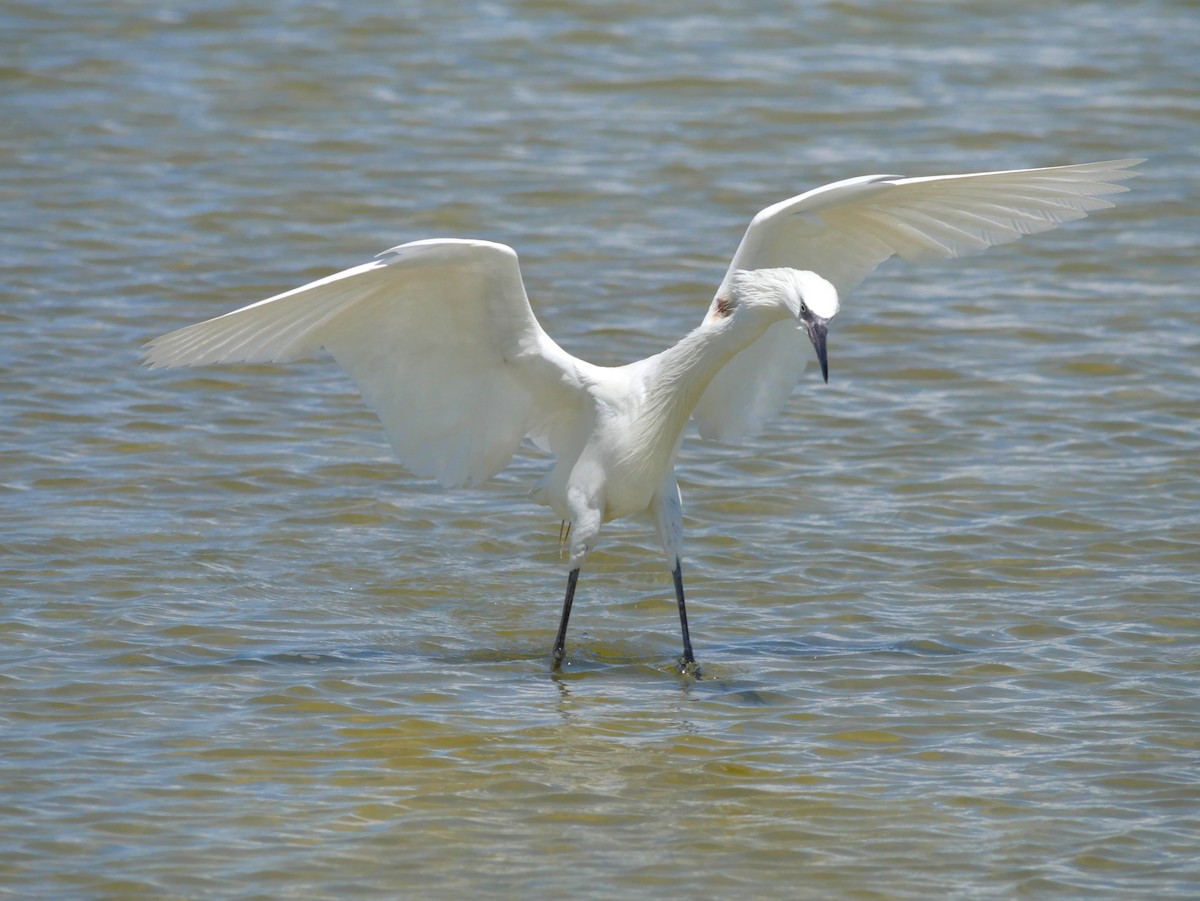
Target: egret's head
(811, 299)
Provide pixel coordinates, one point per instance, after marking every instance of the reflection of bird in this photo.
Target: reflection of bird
(440, 339)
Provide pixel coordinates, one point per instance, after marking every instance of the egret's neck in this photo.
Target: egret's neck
(677, 377)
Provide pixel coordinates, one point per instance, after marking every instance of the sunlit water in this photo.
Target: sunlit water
(946, 606)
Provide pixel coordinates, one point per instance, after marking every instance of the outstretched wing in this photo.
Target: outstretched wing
(440, 339)
(844, 230)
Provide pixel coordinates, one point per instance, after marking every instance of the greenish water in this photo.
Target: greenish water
(946, 606)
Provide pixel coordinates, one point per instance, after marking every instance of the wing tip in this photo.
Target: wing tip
(1118, 170)
(155, 354)
(156, 359)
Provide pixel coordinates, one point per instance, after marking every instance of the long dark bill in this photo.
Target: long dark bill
(818, 329)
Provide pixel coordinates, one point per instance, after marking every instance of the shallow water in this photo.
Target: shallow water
(945, 606)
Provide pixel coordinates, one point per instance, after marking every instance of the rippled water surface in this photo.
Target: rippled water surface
(946, 605)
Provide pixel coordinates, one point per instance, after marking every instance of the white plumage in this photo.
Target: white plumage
(440, 338)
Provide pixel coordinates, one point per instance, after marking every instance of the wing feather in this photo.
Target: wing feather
(844, 230)
(438, 336)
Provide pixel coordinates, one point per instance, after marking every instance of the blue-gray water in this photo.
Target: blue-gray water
(946, 606)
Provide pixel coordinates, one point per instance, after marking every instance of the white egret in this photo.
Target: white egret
(441, 341)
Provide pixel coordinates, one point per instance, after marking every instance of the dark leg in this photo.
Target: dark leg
(561, 641)
(689, 659)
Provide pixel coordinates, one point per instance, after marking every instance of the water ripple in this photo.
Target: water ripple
(945, 606)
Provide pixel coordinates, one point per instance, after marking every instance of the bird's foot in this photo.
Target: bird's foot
(689, 667)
